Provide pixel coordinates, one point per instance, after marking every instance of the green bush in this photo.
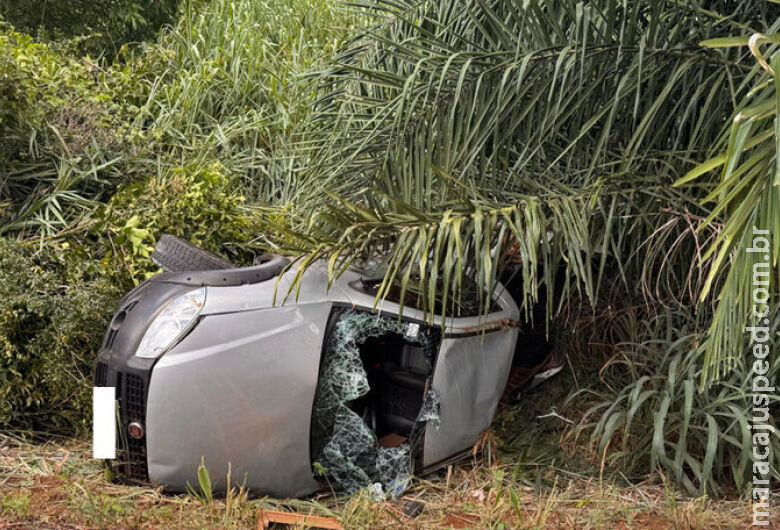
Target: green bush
(196, 203)
(52, 104)
(108, 23)
(68, 135)
(31, 75)
(226, 83)
(56, 304)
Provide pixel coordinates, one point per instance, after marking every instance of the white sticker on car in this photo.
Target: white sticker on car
(103, 422)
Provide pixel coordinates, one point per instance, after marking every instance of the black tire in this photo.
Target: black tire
(174, 254)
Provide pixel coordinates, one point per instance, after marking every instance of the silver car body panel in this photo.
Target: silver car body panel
(470, 375)
(239, 389)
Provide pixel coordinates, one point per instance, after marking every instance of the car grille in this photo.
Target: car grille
(134, 409)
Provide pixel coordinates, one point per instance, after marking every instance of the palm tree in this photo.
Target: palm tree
(453, 136)
(746, 192)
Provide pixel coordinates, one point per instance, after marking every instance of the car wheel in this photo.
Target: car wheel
(174, 254)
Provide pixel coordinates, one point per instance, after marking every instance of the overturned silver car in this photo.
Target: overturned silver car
(322, 389)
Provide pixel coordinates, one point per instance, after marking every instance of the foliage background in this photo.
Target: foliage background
(103, 25)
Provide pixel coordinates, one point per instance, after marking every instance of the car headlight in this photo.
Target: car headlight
(171, 324)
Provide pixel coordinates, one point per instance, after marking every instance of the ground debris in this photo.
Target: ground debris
(265, 518)
(78, 496)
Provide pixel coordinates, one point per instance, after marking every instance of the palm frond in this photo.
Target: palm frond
(747, 194)
(451, 132)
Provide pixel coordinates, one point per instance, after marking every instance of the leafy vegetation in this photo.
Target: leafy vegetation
(103, 26)
(65, 133)
(655, 417)
(748, 192)
(98, 160)
(195, 203)
(452, 135)
(621, 151)
(54, 299)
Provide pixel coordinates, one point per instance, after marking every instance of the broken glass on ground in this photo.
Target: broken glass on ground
(373, 384)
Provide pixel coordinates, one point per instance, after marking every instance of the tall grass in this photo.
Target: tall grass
(650, 413)
(235, 86)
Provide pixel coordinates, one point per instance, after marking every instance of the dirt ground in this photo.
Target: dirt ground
(57, 485)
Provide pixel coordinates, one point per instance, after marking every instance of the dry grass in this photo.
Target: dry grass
(57, 485)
